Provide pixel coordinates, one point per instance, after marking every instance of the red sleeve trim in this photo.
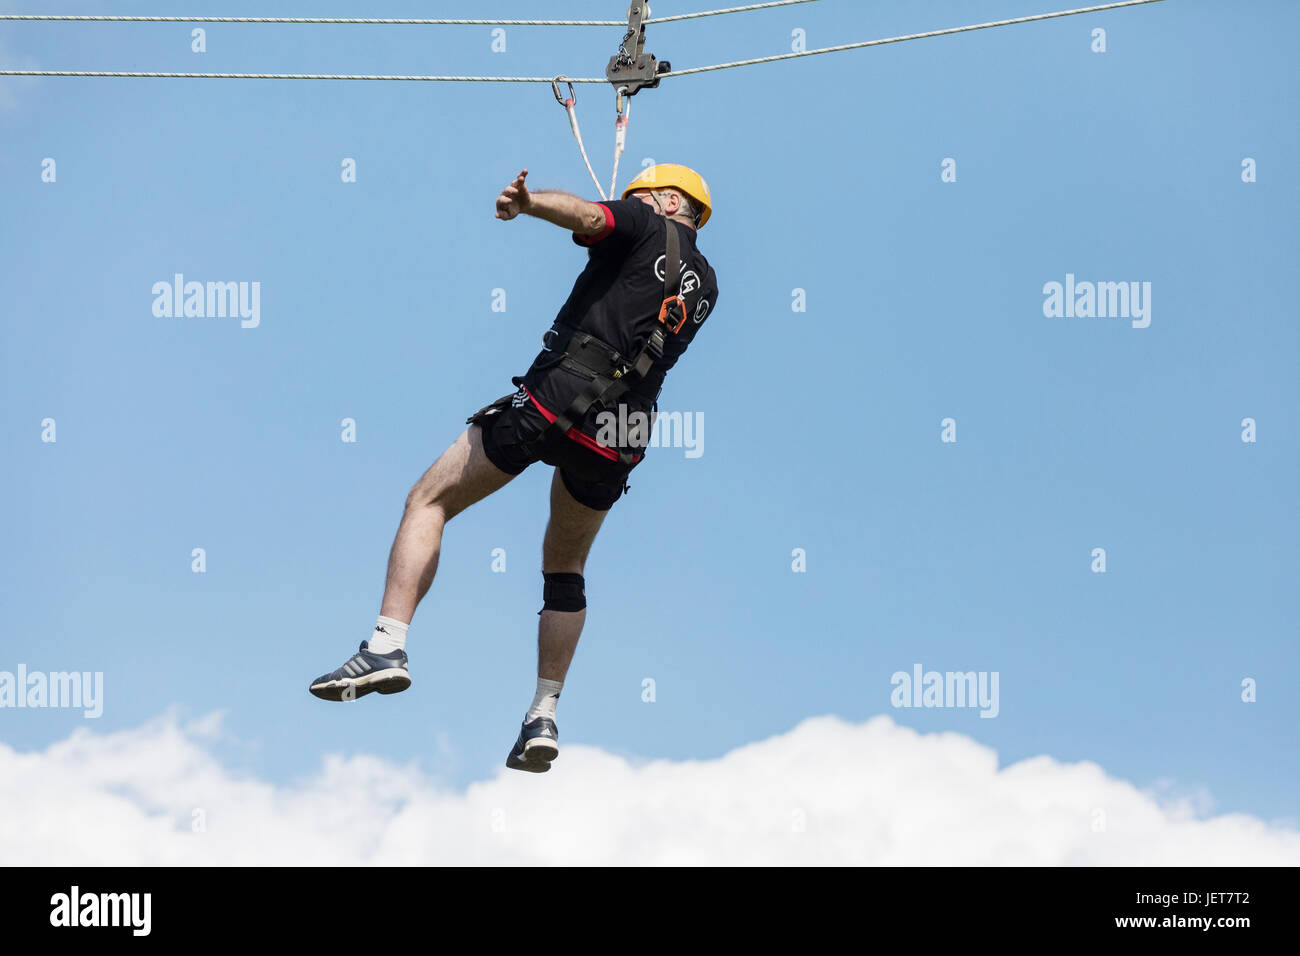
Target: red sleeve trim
(604, 233)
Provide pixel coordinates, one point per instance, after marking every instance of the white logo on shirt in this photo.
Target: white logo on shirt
(690, 281)
(701, 311)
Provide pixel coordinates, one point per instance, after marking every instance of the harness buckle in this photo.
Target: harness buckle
(655, 344)
(677, 306)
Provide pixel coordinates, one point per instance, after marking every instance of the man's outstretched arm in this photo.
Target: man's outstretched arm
(564, 209)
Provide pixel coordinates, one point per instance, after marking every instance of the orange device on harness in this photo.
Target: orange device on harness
(673, 309)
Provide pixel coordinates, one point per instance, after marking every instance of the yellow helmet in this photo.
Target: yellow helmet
(671, 176)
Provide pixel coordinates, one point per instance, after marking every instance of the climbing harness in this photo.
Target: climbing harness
(612, 374)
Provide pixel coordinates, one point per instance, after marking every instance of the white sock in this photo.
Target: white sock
(544, 701)
(388, 636)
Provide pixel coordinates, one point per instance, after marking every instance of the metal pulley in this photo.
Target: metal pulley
(632, 69)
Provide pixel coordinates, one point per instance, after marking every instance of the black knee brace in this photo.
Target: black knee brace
(563, 592)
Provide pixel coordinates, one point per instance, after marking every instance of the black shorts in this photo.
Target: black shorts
(516, 434)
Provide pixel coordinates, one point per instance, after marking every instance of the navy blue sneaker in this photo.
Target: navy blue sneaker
(363, 673)
(537, 746)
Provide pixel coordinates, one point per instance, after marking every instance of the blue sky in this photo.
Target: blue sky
(822, 428)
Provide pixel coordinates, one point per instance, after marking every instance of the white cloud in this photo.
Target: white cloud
(827, 792)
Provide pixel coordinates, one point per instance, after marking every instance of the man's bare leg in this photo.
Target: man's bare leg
(569, 535)
(460, 477)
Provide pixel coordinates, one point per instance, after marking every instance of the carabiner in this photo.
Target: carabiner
(555, 88)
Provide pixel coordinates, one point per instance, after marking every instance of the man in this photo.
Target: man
(628, 320)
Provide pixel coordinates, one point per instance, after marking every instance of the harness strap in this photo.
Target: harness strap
(673, 264)
(617, 376)
(672, 313)
(609, 386)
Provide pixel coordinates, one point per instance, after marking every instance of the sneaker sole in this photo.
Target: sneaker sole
(540, 750)
(514, 763)
(536, 758)
(390, 681)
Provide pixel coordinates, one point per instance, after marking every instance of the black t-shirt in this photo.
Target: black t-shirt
(618, 294)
